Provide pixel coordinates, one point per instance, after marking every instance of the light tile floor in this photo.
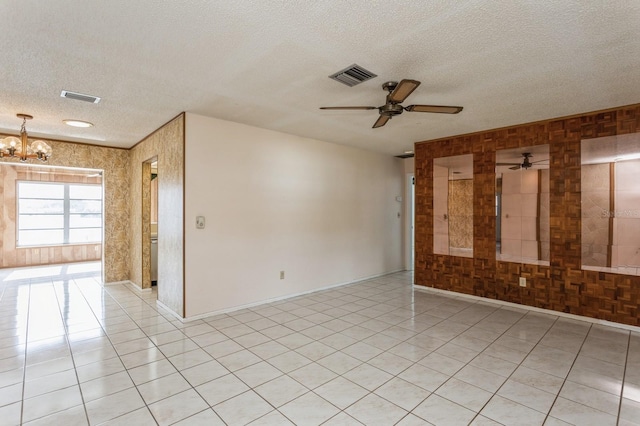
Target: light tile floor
(375, 352)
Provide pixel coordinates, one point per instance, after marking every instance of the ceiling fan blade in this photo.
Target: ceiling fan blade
(516, 167)
(403, 90)
(382, 120)
(507, 164)
(442, 109)
(350, 107)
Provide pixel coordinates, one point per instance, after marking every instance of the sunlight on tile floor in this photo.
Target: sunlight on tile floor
(375, 353)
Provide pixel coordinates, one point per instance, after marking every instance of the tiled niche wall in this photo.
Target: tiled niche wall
(562, 286)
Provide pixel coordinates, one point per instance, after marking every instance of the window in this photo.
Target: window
(59, 213)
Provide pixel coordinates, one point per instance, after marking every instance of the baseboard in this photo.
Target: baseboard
(529, 308)
(280, 298)
(129, 284)
(125, 282)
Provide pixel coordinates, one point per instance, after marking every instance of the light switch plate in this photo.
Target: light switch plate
(199, 222)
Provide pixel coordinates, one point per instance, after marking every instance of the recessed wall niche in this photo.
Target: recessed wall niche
(610, 170)
(522, 205)
(453, 205)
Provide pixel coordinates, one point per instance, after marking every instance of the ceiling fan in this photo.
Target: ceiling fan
(526, 163)
(398, 92)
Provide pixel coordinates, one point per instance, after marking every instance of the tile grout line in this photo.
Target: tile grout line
(624, 374)
(26, 345)
(106, 335)
(66, 335)
(508, 377)
(564, 381)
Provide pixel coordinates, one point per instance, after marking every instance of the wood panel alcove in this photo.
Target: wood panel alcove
(562, 286)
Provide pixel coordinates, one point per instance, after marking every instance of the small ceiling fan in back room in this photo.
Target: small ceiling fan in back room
(526, 163)
(398, 92)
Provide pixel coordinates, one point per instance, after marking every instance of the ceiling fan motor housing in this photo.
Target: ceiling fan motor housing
(391, 109)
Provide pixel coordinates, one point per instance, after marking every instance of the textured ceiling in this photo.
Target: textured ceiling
(265, 63)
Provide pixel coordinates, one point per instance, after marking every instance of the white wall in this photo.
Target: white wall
(325, 214)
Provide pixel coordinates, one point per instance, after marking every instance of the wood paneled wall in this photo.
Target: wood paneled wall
(562, 286)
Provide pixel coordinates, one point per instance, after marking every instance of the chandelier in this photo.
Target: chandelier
(12, 146)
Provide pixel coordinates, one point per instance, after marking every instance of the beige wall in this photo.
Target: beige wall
(325, 214)
(114, 164)
(167, 145)
(12, 256)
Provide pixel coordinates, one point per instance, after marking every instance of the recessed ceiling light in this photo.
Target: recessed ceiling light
(77, 123)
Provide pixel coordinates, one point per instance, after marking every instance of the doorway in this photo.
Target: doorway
(410, 222)
(150, 240)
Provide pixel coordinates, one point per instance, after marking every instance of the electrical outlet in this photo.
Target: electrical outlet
(282, 275)
(523, 282)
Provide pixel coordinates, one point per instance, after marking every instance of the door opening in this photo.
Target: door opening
(410, 222)
(150, 238)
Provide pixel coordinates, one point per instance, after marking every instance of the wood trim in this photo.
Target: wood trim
(612, 209)
(184, 214)
(538, 216)
(531, 123)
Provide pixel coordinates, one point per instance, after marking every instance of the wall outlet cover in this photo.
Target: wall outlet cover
(523, 282)
(199, 222)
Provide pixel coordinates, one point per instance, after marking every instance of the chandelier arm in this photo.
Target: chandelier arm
(39, 149)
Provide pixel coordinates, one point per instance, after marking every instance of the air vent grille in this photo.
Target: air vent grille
(353, 75)
(79, 97)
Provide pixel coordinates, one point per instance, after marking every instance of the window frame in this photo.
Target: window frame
(66, 213)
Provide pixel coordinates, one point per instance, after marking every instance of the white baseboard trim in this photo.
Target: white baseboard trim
(129, 284)
(279, 298)
(138, 289)
(528, 308)
(125, 282)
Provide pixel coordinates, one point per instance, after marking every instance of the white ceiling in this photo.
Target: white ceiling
(265, 63)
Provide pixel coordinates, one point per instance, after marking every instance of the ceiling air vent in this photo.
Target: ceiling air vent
(79, 97)
(353, 75)
(405, 156)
